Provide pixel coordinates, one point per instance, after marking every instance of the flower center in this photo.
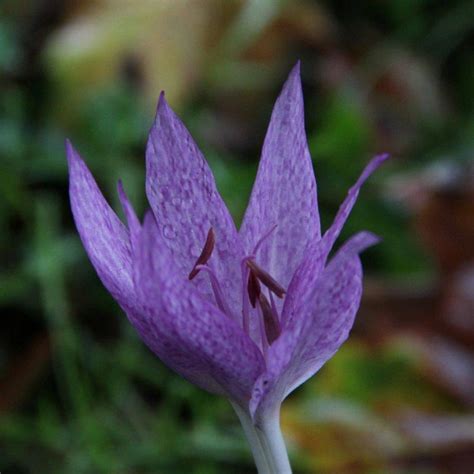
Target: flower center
(253, 277)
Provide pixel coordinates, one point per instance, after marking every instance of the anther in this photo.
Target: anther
(270, 320)
(205, 254)
(253, 288)
(266, 279)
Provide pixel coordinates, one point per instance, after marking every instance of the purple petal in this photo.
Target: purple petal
(132, 219)
(105, 238)
(185, 201)
(333, 232)
(317, 252)
(284, 192)
(186, 331)
(324, 308)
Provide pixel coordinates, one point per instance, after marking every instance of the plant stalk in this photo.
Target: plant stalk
(266, 442)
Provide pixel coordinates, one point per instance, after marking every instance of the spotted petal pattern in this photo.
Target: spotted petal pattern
(324, 307)
(105, 238)
(284, 193)
(185, 330)
(145, 266)
(185, 201)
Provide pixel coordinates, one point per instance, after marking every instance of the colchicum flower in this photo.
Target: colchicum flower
(248, 314)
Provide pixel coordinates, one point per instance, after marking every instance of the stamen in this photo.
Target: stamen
(245, 300)
(263, 238)
(250, 288)
(205, 254)
(274, 308)
(216, 288)
(270, 320)
(261, 326)
(253, 288)
(266, 279)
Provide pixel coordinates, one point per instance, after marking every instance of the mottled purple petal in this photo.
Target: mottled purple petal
(284, 192)
(324, 308)
(186, 331)
(185, 201)
(105, 238)
(333, 232)
(132, 220)
(317, 252)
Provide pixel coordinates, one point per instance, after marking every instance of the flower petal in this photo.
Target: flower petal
(333, 232)
(185, 201)
(318, 250)
(284, 192)
(105, 238)
(186, 331)
(324, 306)
(132, 220)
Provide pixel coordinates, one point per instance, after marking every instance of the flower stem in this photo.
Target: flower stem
(266, 442)
(253, 440)
(274, 444)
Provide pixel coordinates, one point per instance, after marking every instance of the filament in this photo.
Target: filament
(216, 288)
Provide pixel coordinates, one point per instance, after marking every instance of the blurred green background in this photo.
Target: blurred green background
(79, 393)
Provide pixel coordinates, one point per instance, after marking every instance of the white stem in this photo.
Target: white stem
(274, 444)
(253, 440)
(266, 442)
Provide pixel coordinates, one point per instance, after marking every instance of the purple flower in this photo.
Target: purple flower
(248, 314)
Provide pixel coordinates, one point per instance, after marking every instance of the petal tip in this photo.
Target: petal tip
(164, 112)
(377, 160)
(380, 158)
(132, 219)
(296, 68)
(121, 190)
(162, 103)
(71, 153)
(360, 242)
(370, 238)
(294, 78)
(374, 163)
(76, 164)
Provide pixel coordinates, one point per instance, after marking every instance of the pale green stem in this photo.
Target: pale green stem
(274, 444)
(266, 442)
(253, 440)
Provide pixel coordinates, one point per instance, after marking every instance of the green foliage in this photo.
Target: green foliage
(382, 379)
